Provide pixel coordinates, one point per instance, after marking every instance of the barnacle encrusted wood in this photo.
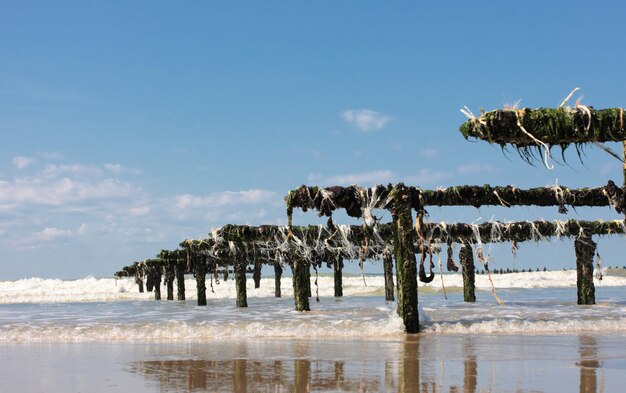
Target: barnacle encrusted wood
(262, 239)
(552, 126)
(358, 201)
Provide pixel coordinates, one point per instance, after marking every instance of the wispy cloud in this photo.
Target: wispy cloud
(63, 191)
(360, 178)
(227, 198)
(51, 233)
(53, 170)
(22, 162)
(366, 119)
(429, 153)
(428, 178)
(120, 169)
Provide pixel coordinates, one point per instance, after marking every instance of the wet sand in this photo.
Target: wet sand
(418, 363)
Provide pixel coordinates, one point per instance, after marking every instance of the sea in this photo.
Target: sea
(102, 335)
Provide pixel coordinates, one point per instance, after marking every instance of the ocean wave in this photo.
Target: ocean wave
(90, 289)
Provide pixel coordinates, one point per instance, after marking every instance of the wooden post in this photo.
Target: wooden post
(180, 279)
(169, 278)
(157, 272)
(624, 159)
(338, 275)
(406, 265)
(256, 274)
(299, 269)
(240, 284)
(467, 268)
(278, 272)
(139, 278)
(388, 269)
(307, 279)
(200, 269)
(585, 248)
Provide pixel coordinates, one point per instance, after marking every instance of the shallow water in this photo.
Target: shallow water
(110, 337)
(417, 363)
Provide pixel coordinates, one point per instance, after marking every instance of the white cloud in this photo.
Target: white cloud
(429, 153)
(427, 177)
(361, 178)
(22, 162)
(227, 198)
(50, 233)
(62, 191)
(119, 169)
(52, 170)
(366, 119)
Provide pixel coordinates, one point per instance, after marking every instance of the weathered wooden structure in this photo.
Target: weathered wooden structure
(244, 249)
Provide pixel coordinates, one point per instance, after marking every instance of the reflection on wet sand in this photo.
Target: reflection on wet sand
(589, 363)
(404, 366)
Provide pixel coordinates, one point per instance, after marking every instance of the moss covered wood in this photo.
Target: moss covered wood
(388, 272)
(180, 279)
(468, 270)
(585, 249)
(240, 284)
(406, 265)
(256, 274)
(553, 126)
(355, 199)
(307, 279)
(278, 272)
(200, 270)
(338, 276)
(139, 277)
(170, 274)
(299, 277)
(157, 274)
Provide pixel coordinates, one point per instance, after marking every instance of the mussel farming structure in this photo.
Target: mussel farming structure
(245, 249)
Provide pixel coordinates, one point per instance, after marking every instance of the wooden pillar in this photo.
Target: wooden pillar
(278, 272)
(307, 279)
(338, 275)
(157, 272)
(180, 279)
(200, 269)
(406, 265)
(240, 284)
(466, 257)
(169, 278)
(149, 278)
(139, 279)
(256, 274)
(301, 298)
(585, 249)
(388, 269)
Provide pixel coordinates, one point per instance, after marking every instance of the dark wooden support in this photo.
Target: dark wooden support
(388, 269)
(256, 274)
(180, 279)
(468, 269)
(170, 274)
(149, 279)
(157, 273)
(338, 275)
(200, 269)
(278, 272)
(301, 298)
(240, 284)
(585, 249)
(139, 279)
(406, 265)
(307, 280)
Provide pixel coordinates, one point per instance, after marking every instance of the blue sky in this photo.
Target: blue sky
(126, 127)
